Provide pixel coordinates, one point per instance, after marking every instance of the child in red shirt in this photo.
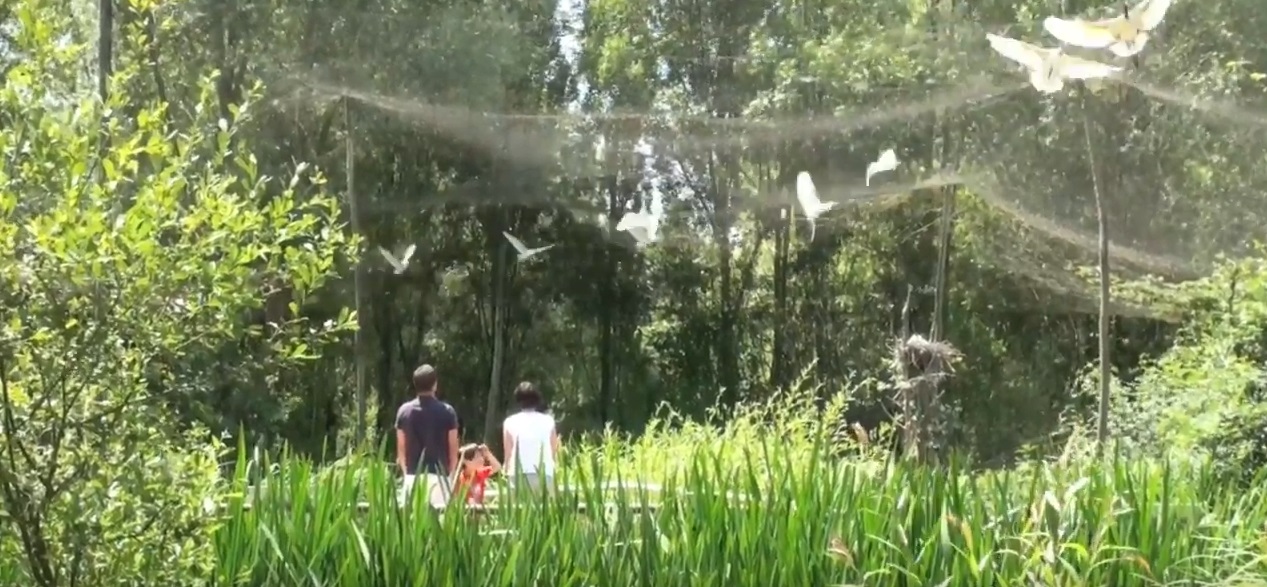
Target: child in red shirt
(478, 464)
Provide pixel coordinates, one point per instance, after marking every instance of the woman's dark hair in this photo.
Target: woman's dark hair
(527, 396)
(468, 452)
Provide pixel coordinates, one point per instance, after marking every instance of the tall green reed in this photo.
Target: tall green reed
(751, 518)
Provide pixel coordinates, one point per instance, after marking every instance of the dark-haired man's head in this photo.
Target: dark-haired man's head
(425, 379)
(528, 397)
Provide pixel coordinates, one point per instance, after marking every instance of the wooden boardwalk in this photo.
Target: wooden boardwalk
(635, 502)
(493, 508)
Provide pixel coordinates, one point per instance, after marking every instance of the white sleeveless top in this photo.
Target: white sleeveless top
(531, 432)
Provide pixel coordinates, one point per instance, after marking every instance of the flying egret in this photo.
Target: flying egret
(1124, 35)
(886, 162)
(807, 196)
(525, 253)
(1049, 68)
(641, 225)
(401, 264)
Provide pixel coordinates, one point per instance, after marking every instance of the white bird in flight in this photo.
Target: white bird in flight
(1124, 35)
(641, 225)
(807, 196)
(401, 264)
(1049, 68)
(886, 162)
(525, 253)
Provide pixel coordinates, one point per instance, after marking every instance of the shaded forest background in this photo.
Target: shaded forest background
(704, 111)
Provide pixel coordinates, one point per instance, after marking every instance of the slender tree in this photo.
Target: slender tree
(1102, 431)
(362, 375)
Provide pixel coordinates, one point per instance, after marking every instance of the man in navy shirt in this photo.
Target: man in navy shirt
(427, 438)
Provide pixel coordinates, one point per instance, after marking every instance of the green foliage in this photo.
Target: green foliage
(118, 266)
(1205, 393)
(735, 438)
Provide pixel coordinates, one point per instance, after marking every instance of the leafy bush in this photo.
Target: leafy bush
(1203, 397)
(117, 263)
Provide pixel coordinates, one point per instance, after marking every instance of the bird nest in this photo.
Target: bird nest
(919, 357)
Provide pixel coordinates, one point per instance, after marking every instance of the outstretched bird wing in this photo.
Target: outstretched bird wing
(514, 242)
(1079, 68)
(886, 162)
(397, 265)
(1080, 33)
(630, 221)
(536, 251)
(1021, 52)
(640, 233)
(1151, 13)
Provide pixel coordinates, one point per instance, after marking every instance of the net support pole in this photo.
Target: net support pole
(105, 67)
(1102, 429)
(362, 375)
(946, 227)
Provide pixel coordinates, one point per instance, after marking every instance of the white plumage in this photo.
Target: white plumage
(401, 264)
(524, 252)
(886, 162)
(807, 196)
(1049, 68)
(642, 226)
(1124, 35)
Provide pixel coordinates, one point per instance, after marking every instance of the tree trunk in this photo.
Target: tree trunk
(727, 347)
(359, 354)
(945, 237)
(499, 329)
(779, 353)
(607, 313)
(105, 47)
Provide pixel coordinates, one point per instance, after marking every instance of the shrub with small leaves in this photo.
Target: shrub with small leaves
(116, 261)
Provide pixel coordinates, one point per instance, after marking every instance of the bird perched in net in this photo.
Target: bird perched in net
(886, 162)
(1124, 35)
(807, 197)
(1049, 68)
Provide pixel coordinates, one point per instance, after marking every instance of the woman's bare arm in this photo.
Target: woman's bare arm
(492, 462)
(508, 449)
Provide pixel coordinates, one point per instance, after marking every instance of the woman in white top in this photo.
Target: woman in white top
(531, 440)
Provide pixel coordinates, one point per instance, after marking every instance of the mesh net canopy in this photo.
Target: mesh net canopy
(1181, 172)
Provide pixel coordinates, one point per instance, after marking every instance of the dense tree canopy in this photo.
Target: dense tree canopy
(550, 121)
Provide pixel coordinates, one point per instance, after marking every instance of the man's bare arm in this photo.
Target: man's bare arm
(453, 449)
(402, 443)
